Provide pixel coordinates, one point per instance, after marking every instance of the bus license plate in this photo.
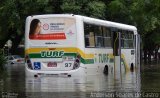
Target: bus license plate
(52, 64)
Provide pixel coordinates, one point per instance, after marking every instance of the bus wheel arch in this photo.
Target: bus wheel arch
(106, 70)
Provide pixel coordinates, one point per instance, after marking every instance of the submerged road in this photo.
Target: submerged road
(94, 86)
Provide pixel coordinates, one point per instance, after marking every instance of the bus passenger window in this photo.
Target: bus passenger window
(127, 39)
(131, 40)
(122, 39)
(98, 36)
(91, 39)
(87, 40)
(89, 36)
(107, 37)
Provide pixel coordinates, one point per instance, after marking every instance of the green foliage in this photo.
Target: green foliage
(144, 14)
(13, 15)
(96, 9)
(90, 8)
(119, 11)
(71, 6)
(2, 62)
(155, 36)
(3, 71)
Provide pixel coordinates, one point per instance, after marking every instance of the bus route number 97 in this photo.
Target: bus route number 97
(68, 64)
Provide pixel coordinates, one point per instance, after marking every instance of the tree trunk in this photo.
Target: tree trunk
(149, 57)
(145, 56)
(156, 55)
(15, 42)
(8, 36)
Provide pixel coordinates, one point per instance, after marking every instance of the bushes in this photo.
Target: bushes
(2, 62)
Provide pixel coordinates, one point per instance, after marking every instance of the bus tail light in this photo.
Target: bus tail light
(77, 62)
(28, 61)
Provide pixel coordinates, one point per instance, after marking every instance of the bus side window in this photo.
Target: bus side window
(130, 39)
(98, 36)
(89, 35)
(107, 37)
(127, 39)
(122, 39)
(86, 32)
(91, 39)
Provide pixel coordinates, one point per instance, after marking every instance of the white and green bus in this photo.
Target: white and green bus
(74, 45)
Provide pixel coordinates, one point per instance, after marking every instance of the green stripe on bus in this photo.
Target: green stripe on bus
(38, 55)
(70, 54)
(87, 61)
(84, 61)
(35, 55)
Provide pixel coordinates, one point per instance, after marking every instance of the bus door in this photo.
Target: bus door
(116, 44)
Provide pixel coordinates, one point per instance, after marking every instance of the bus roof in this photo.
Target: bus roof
(91, 20)
(109, 23)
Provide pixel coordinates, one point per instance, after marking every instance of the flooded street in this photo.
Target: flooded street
(16, 85)
(150, 78)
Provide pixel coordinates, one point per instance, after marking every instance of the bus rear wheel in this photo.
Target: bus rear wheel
(105, 71)
(132, 67)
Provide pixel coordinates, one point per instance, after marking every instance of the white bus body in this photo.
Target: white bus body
(64, 48)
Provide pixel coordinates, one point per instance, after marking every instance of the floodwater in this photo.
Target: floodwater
(131, 84)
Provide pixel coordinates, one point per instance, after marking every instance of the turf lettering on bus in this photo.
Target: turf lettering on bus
(57, 54)
(103, 58)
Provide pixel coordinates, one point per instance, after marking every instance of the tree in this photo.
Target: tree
(144, 14)
(89, 8)
(12, 18)
(151, 24)
(118, 11)
(14, 13)
(2, 64)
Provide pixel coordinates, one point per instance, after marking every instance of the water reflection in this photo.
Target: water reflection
(14, 81)
(150, 77)
(79, 87)
(83, 86)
